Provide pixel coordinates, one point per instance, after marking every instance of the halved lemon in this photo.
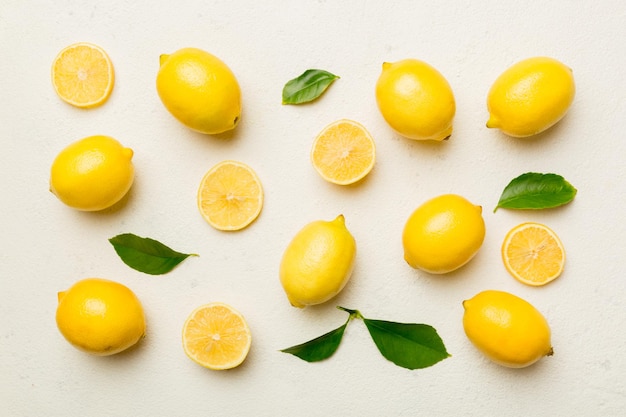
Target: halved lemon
(343, 152)
(216, 336)
(533, 254)
(230, 196)
(82, 75)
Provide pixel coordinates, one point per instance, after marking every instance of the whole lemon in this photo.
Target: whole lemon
(100, 316)
(93, 173)
(530, 96)
(506, 328)
(318, 262)
(416, 100)
(443, 234)
(199, 90)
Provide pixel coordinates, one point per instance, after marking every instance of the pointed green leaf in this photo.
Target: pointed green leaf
(321, 347)
(307, 87)
(146, 255)
(534, 190)
(409, 345)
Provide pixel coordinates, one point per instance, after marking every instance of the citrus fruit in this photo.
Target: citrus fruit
(533, 254)
(343, 152)
(216, 336)
(82, 75)
(443, 234)
(416, 100)
(506, 329)
(530, 96)
(230, 196)
(199, 90)
(92, 173)
(318, 262)
(100, 316)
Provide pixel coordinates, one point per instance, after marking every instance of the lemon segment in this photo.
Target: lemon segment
(506, 329)
(416, 100)
(216, 336)
(533, 254)
(100, 316)
(230, 196)
(530, 96)
(343, 152)
(83, 75)
(318, 262)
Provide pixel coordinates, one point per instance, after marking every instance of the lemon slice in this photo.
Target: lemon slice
(533, 254)
(230, 196)
(216, 336)
(343, 152)
(82, 75)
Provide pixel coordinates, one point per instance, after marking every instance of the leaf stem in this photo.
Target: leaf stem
(353, 313)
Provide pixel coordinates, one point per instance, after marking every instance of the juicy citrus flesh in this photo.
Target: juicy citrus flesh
(533, 254)
(216, 336)
(416, 100)
(230, 196)
(318, 262)
(506, 328)
(92, 173)
(83, 75)
(199, 90)
(530, 96)
(100, 316)
(343, 152)
(443, 234)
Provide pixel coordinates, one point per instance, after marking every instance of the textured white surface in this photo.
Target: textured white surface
(47, 246)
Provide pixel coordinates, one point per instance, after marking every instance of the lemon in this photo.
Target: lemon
(318, 262)
(443, 234)
(92, 173)
(416, 100)
(199, 90)
(507, 329)
(530, 96)
(100, 316)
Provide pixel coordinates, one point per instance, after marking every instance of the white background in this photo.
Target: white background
(46, 246)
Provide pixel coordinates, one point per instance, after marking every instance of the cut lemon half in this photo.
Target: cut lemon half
(343, 152)
(82, 75)
(533, 254)
(216, 336)
(230, 196)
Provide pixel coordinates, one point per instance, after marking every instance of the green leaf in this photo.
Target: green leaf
(146, 255)
(320, 348)
(534, 190)
(308, 86)
(409, 345)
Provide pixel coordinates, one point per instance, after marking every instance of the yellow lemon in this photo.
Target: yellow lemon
(416, 100)
(530, 96)
(507, 329)
(199, 90)
(443, 234)
(318, 262)
(100, 316)
(93, 173)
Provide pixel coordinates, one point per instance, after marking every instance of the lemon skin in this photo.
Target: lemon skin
(506, 328)
(93, 173)
(100, 317)
(416, 100)
(443, 234)
(199, 90)
(530, 97)
(318, 262)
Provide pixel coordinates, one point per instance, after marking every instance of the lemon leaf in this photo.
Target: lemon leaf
(146, 255)
(320, 348)
(409, 345)
(307, 87)
(534, 190)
